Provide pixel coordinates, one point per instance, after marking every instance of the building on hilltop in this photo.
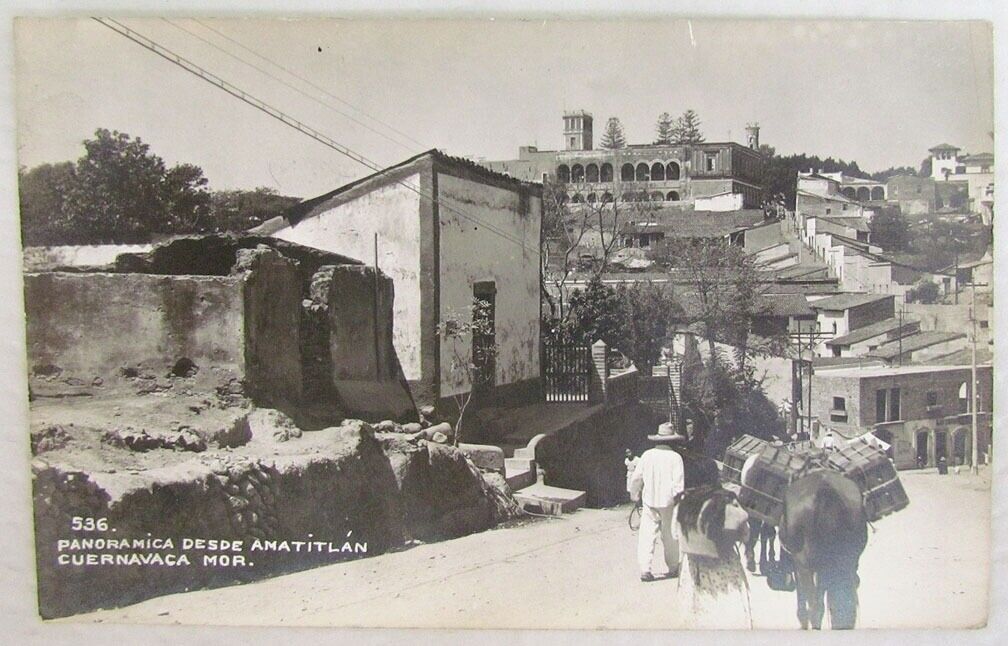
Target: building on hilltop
(447, 231)
(664, 173)
(976, 172)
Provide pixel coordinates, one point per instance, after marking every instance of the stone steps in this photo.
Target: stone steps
(519, 472)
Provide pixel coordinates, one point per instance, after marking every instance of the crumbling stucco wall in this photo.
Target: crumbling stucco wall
(95, 324)
(272, 317)
(365, 367)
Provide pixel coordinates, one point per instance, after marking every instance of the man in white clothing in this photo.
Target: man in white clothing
(657, 478)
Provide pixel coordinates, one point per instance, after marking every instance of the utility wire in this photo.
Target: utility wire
(291, 86)
(311, 84)
(262, 106)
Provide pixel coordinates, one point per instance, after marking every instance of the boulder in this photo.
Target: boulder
(484, 456)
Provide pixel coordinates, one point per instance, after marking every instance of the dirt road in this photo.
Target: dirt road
(925, 566)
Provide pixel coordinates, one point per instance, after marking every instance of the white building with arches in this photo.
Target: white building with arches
(670, 174)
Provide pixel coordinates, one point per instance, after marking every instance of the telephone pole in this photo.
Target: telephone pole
(974, 453)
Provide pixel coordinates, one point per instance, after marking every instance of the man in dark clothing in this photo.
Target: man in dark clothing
(698, 469)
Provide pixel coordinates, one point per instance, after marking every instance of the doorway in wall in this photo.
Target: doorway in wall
(941, 445)
(922, 449)
(484, 342)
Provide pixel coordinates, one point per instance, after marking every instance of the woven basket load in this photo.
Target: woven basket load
(762, 495)
(875, 474)
(736, 455)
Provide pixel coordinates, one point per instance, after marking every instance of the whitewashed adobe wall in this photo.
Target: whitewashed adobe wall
(471, 253)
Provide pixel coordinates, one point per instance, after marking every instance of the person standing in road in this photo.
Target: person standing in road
(656, 480)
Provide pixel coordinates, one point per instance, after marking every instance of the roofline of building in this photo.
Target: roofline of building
(301, 210)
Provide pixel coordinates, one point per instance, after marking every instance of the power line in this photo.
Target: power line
(291, 86)
(262, 106)
(310, 83)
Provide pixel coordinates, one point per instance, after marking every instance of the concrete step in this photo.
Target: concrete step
(524, 453)
(519, 472)
(518, 464)
(520, 479)
(544, 499)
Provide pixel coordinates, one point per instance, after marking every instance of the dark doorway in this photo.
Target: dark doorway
(484, 341)
(941, 445)
(961, 447)
(922, 449)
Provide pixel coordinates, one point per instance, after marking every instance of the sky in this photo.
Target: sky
(880, 93)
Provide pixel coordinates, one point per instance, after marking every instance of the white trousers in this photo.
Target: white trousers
(656, 524)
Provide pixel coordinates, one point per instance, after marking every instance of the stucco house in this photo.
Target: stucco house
(446, 230)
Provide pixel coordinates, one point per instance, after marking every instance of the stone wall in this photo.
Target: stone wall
(381, 491)
(588, 454)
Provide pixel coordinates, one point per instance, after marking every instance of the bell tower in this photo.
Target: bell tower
(752, 135)
(577, 130)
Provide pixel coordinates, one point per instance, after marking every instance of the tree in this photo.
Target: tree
(894, 171)
(613, 137)
(595, 312)
(570, 228)
(647, 311)
(926, 291)
(238, 210)
(469, 356)
(723, 297)
(925, 167)
(186, 199)
(687, 129)
(665, 128)
(725, 403)
(118, 192)
(40, 192)
(889, 230)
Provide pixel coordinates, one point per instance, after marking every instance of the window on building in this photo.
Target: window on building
(573, 142)
(605, 173)
(643, 172)
(932, 398)
(591, 173)
(839, 411)
(828, 211)
(672, 171)
(627, 173)
(887, 405)
(710, 161)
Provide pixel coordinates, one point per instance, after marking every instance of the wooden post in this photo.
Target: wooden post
(377, 344)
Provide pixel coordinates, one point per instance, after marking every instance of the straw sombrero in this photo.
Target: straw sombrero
(666, 433)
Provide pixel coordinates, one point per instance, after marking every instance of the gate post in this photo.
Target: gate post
(600, 374)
